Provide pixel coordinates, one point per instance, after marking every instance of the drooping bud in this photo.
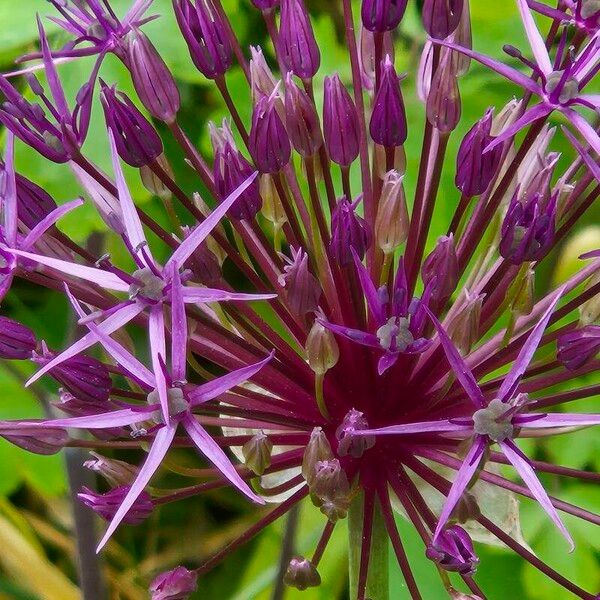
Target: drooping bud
(441, 17)
(576, 348)
(392, 222)
(441, 265)
(17, 342)
(348, 232)
(382, 15)
(137, 141)
(301, 574)
(297, 47)
(116, 472)
(257, 453)
(176, 584)
(303, 290)
(301, 119)
(269, 144)
(317, 450)
(475, 168)
(340, 123)
(453, 551)
(443, 101)
(106, 505)
(388, 120)
(206, 36)
(350, 444)
(463, 329)
(152, 79)
(527, 230)
(330, 489)
(45, 441)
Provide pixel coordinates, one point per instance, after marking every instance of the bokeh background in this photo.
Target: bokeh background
(37, 544)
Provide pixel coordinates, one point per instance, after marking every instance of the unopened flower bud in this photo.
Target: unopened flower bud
(317, 450)
(464, 327)
(116, 472)
(578, 347)
(137, 142)
(340, 123)
(272, 208)
(303, 290)
(45, 441)
(152, 79)
(269, 143)
(382, 15)
(176, 584)
(349, 443)
(33, 202)
(301, 574)
(590, 9)
(301, 119)
(443, 101)
(153, 183)
(348, 232)
(590, 311)
(17, 342)
(522, 292)
(297, 47)
(206, 36)
(106, 505)
(322, 350)
(262, 80)
(441, 265)
(453, 551)
(392, 222)
(330, 489)
(388, 120)
(257, 453)
(441, 17)
(265, 5)
(475, 168)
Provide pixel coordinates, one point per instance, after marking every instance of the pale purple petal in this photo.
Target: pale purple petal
(9, 197)
(158, 351)
(441, 426)
(179, 328)
(585, 129)
(52, 74)
(158, 450)
(591, 164)
(48, 221)
(457, 364)
(200, 295)
(511, 381)
(213, 389)
(105, 279)
(216, 456)
(538, 47)
(200, 233)
(529, 116)
(558, 420)
(535, 487)
(463, 477)
(117, 418)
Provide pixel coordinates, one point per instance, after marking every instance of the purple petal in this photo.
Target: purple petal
(463, 477)
(215, 455)
(354, 335)
(529, 116)
(591, 164)
(117, 418)
(203, 230)
(538, 46)
(48, 221)
(389, 359)
(585, 129)
(457, 364)
(369, 290)
(558, 420)
(200, 295)
(9, 198)
(535, 487)
(158, 351)
(179, 328)
(213, 389)
(412, 428)
(511, 381)
(157, 452)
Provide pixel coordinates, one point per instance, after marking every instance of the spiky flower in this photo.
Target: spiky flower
(394, 363)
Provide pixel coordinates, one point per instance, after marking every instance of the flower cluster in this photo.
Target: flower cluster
(398, 364)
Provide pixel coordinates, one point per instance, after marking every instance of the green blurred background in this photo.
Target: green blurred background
(37, 552)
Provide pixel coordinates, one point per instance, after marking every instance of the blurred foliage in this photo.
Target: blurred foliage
(37, 555)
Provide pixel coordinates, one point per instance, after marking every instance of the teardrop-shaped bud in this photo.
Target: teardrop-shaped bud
(176, 584)
(257, 453)
(317, 449)
(302, 120)
(302, 287)
(322, 350)
(440, 269)
(441, 17)
(17, 342)
(443, 101)
(392, 221)
(348, 232)
(382, 15)
(576, 348)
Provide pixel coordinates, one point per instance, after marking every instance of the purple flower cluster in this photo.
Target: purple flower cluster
(398, 364)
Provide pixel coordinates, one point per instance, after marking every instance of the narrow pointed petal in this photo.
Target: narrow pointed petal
(458, 365)
(535, 487)
(117, 418)
(512, 74)
(591, 164)
(179, 328)
(9, 197)
(511, 381)
(202, 230)
(531, 115)
(411, 428)
(199, 295)
(34, 235)
(213, 389)
(463, 477)
(111, 324)
(158, 450)
(217, 457)
(158, 351)
(585, 129)
(369, 289)
(105, 279)
(389, 359)
(133, 225)
(538, 47)
(559, 420)
(354, 335)
(51, 73)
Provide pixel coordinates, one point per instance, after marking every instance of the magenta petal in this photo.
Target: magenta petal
(458, 365)
(538, 46)
(463, 477)
(369, 290)
(388, 360)
(535, 487)
(9, 193)
(441, 426)
(117, 418)
(559, 420)
(200, 233)
(585, 129)
(215, 455)
(354, 335)
(213, 389)
(511, 381)
(158, 351)
(200, 295)
(179, 328)
(533, 114)
(48, 221)
(158, 450)
(591, 164)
